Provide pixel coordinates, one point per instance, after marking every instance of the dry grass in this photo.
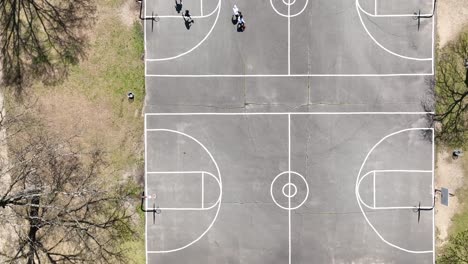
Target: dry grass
(449, 175)
(452, 20)
(91, 104)
(460, 220)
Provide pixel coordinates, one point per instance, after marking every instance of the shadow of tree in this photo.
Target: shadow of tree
(40, 39)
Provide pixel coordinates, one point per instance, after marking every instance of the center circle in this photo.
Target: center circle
(285, 187)
(287, 192)
(289, 2)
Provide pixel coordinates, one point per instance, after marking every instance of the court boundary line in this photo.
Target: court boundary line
(202, 15)
(287, 75)
(290, 113)
(289, 160)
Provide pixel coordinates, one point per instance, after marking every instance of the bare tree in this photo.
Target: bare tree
(451, 88)
(60, 206)
(41, 38)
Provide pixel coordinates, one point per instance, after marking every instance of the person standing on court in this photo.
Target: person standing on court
(241, 23)
(236, 14)
(188, 16)
(188, 19)
(238, 19)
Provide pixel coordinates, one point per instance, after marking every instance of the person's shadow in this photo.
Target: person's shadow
(178, 6)
(234, 19)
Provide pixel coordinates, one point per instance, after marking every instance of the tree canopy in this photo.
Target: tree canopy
(457, 250)
(451, 88)
(58, 203)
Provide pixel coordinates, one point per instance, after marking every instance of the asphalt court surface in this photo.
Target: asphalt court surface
(301, 140)
(325, 56)
(222, 182)
(309, 37)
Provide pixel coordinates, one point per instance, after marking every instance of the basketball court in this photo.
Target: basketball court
(306, 55)
(301, 139)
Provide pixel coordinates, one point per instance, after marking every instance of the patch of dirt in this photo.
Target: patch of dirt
(452, 16)
(449, 175)
(129, 12)
(72, 114)
(89, 121)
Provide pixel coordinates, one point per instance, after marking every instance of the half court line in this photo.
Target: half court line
(289, 186)
(289, 38)
(289, 113)
(287, 75)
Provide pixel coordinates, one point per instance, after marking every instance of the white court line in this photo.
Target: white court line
(289, 39)
(433, 188)
(413, 171)
(289, 186)
(389, 15)
(146, 56)
(180, 16)
(218, 8)
(185, 208)
(388, 207)
(202, 187)
(374, 174)
(287, 75)
(283, 15)
(433, 40)
(219, 182)
(175, 172)
(359, 200)
(311, 113)
(203, 190)
(201, 7)
(202, 208)
(358, 9)
(290, 113)
(146, 183)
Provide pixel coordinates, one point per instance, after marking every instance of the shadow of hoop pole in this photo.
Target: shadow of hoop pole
(418, 208)
(155, 210)
(418, 15)
(153, 18)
